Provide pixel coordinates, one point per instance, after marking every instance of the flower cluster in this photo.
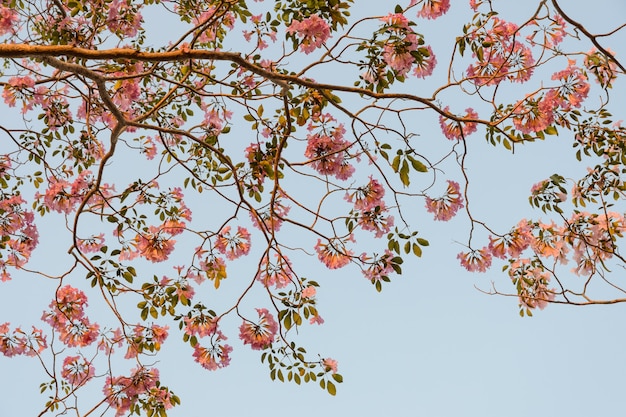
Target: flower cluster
(214, 357)
(432, 9)
(601, 66)
(62, 196)
(403, 48)
(477, 260)
(77, 370)
(123, 19)
(67, 317)
(156, 244)
(123, 393)
(8, 20)
(531, 281)
(501, 55)
(146, 338)
(378, 267)
(261, 335)
(278, 274)
(327, 149)
(446, 206)
(333, 254)
(534, 114)
(233, 245)
(553, 33)
(458, 130)
(312, 31)
(18, 342)
(369, 208)
(18, 234)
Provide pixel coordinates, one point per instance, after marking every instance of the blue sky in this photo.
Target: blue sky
(430, 344)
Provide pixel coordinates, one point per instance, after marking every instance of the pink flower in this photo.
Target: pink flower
(530, 115)
(553, 34)
(446, 207)
(601, 66)
(367, 197)
(531, 282)
(333, 254)
(316, 319)
(214, 357)
(425, 66)
(123, 19)
(200, 325)
(327, 151)
(12, 343)
(378, 268)
(475, 260)
(330, 365)
(233, 246)
(155, 245)
(312, 31)
(259, 336)
(573, 90)
(77, 370)
(91, 244)
(309, 292)
(513, 243)
(432, 9)
(453, 130)
(8, 20)
(396, 19)
(278, 274)
(376, 221)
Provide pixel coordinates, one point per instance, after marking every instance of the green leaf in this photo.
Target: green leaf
(330, 387)
(551, 130)
(404, 174)
(417, 165)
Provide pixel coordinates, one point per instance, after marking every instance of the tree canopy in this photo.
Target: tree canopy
(184, 159)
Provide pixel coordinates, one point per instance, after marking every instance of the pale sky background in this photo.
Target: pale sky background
(430, 344)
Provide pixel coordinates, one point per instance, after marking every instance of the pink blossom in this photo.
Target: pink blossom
(446, 206)
(278, 274)
(601, 66)
(531, 281)
(259, 336)
(553, 34)
(123, 19)
(200, 325)
(309, 292)
(214, 357)
(233, 246)
(91, 244)
(378, 267)
(376, 220)
(330, 365)
(432, 9)
(531, 116)
(333, 254)
(513, 243)
(453, 130)
(316, 319)
(154, 245)
(312, 31)
(476, 260)
(77, 370)
(8, 20)
(12, 343)
(573, 90)
(367, 197)
(327, 151)
(425, 66)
